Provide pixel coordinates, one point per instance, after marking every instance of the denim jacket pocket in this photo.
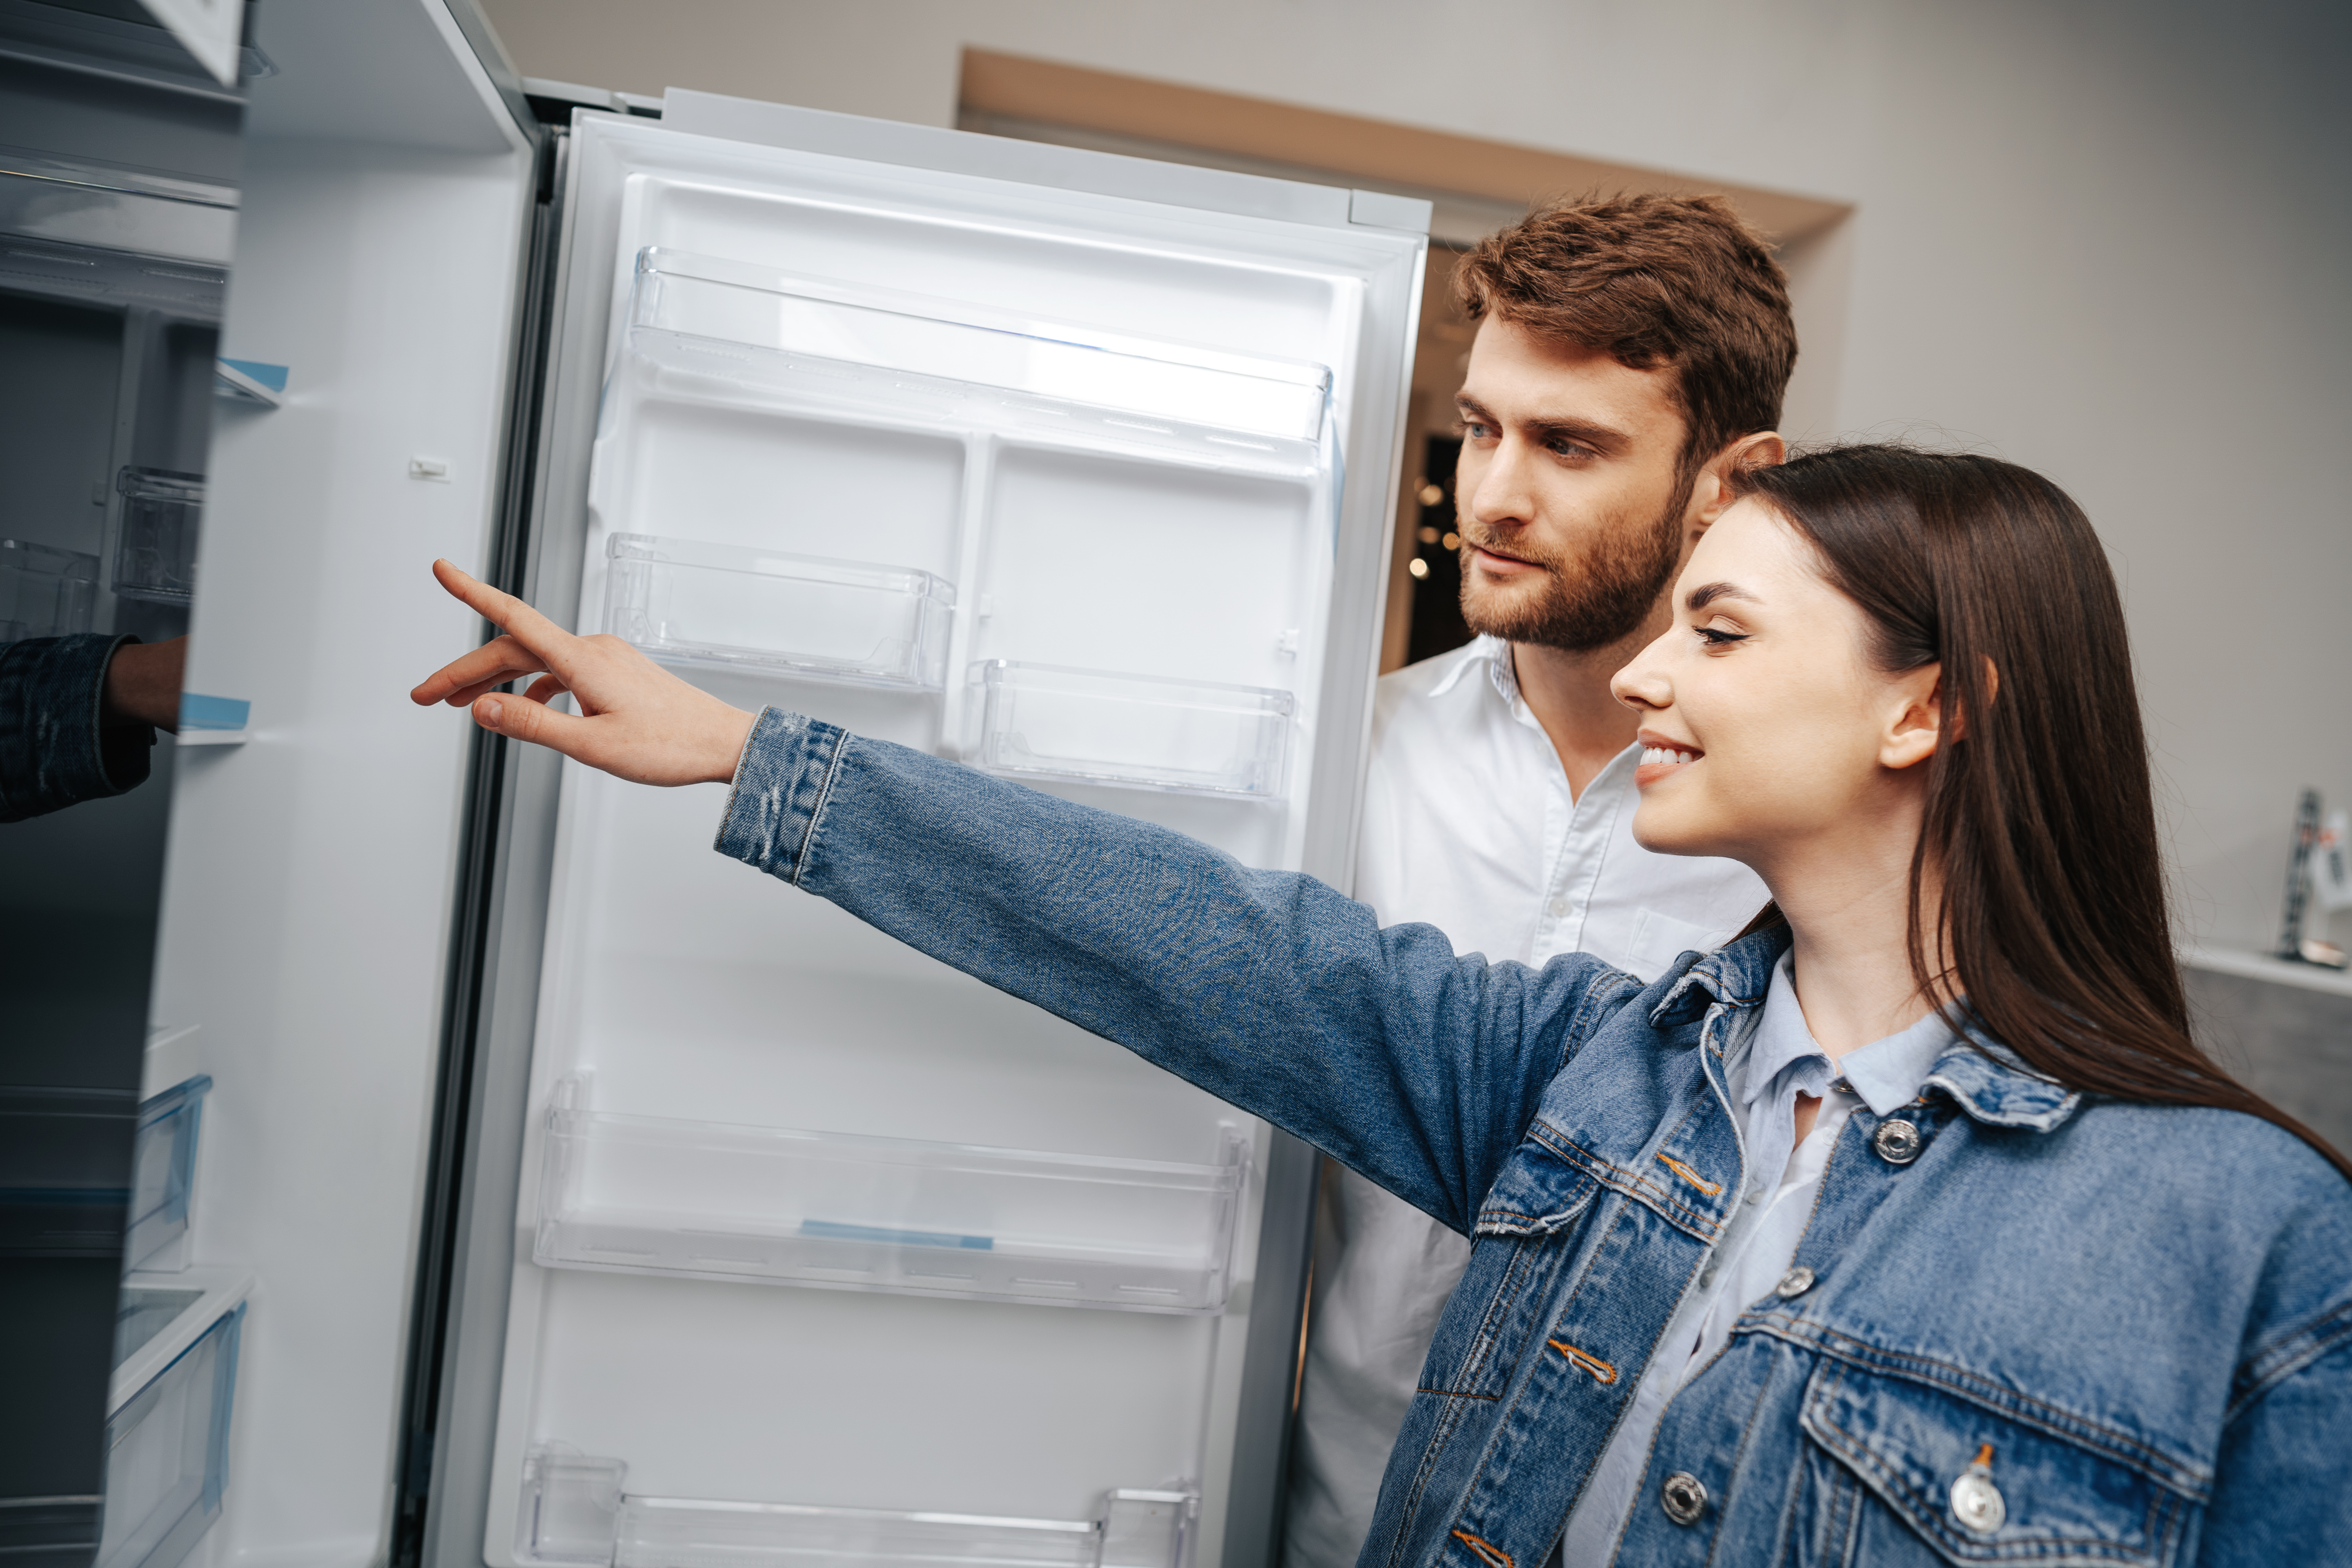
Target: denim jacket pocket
(1537, 1194)
(1979, 1485)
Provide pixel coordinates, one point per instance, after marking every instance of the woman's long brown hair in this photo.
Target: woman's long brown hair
(2039, 816)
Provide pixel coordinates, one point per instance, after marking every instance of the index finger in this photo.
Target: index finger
(542, 636)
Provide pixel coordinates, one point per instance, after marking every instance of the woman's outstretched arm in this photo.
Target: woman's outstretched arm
(1416, 1067)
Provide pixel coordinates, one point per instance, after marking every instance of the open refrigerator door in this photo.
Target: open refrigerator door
(816, 1246)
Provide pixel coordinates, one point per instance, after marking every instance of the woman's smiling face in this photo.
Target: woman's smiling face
(1765, 683)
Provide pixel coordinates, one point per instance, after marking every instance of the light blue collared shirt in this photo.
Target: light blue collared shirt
(1778, 1061)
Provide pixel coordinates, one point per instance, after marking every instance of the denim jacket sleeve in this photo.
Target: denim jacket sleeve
(54, 750)
(2280, 1491)
(1420, 1068)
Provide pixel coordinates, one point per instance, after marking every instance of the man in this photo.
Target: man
(1629, 354)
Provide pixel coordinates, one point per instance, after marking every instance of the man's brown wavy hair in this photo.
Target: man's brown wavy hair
(1650, 280)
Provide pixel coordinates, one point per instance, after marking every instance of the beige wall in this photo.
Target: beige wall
(2108, 238)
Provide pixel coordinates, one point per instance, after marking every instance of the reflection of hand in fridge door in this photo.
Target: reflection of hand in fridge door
(636, 721)
(143, 683)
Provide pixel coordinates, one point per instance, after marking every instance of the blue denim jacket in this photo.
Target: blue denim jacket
(2140, 1320)
(56, 749)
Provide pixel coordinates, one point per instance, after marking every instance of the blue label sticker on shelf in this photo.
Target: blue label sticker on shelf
(198, 712)
(833, 1232)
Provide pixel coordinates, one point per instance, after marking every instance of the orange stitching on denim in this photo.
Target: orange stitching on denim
(1984, 1457)
(1493, 1556)
(1687, 1174)
(1601, 1370)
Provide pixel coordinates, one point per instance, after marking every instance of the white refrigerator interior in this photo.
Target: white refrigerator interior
(1070, 466)
(821, 1247)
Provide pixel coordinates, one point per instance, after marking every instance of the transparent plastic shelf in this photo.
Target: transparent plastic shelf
(575, 1510)
(731, 607)
(645, 1194)
(156, 558)
(795, 342)
(1042, 720)
(44, 592)
(167, 1443)
(163, 1176)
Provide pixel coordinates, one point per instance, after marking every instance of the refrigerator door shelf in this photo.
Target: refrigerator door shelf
(159, 1315)
(167, 1451)
(644, 1195)
(731, 607)
(163, 1175)
(1050, 722)
(576, 1511)
(1020, 371)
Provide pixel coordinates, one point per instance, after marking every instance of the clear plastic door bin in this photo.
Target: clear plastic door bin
(729, 606)
(575, 1510)
(156, 559)
(163, 1174)
(788, 1206)
(167, 1445)
(1041, 721)
(44, 592)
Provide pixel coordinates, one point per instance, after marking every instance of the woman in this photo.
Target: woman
(1910, 1228)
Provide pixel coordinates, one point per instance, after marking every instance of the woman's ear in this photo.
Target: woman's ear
(1916, 718)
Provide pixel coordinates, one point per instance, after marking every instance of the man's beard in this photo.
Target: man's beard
(1592, 600)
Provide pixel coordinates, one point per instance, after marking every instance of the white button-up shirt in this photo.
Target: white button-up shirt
(1468, 826)
(1764, 1075)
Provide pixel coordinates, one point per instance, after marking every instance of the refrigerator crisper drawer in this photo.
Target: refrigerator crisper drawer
(731, 607)
(1186, 737)
(167, 1453)
(785, 1206)
(575, 1511)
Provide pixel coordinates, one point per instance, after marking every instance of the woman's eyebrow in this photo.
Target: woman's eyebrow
(1707, 593)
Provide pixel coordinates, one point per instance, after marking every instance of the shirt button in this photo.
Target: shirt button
(1898, 1142)
(1683, 1497)
(1706, 1276)
(1795, 1282)
(1560, 909)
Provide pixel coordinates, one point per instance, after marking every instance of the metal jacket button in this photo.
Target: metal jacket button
(1977, 1503)
(1683, 1497)
(1795, 1282)
(1898, 1142)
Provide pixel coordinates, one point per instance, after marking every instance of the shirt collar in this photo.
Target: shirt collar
(1779, 1039)
(1494, 654)
(1985, 1079)
(1889, 1073)
(1885, 1074)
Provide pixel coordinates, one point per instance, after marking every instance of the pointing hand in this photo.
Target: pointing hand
(637, 719)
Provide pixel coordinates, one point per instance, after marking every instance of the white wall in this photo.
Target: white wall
(2104, 238)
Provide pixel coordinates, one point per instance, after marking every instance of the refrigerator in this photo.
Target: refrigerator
(573, 1194)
